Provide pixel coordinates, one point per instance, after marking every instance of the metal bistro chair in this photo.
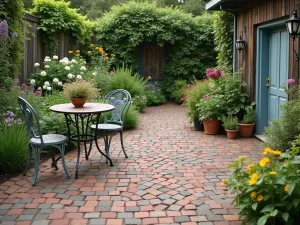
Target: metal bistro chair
(114, 121)
(39, 141)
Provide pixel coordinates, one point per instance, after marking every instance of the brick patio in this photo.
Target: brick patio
(172, 176)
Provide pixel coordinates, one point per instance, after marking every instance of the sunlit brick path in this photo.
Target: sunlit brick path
(172, 176)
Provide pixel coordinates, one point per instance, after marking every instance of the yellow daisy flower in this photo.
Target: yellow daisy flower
(250, 168)
(253, 194)
(264, 161)
(286, 188)
(254, 178)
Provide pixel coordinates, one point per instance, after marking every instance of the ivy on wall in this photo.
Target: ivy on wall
(223, 31)
(188, 40)
(56, 16)
(12, 12)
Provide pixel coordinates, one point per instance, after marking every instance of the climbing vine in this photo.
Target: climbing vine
(188, 40)
(223, 31)
(56, 16)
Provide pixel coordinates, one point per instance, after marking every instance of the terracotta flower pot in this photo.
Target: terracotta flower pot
(78, 102)
(211, 126)
(246, 130)
(231, 134)
(198, 125)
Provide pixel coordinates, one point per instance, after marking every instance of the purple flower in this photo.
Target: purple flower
(150, 86)
(8, 120)
(24, 85)
(291, 81)
(3, 29)
(208, 71)
(37, 92)
(218, 72)
(14, 35)
(10, 113)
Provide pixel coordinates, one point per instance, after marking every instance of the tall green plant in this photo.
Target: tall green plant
(223, 32)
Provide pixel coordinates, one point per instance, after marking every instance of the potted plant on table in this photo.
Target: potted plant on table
(230, 124)
(211, 110)
(79, 91)
(248, 122)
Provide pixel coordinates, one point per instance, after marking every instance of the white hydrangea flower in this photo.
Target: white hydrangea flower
(55, 80)
(47, 83)
(55, 57)
(32, 81)
(83, 68)
(43, 73)
(66, 59)
(60, 83)
(70, 76)
(47, 59)
(49, 88)
(84, 62)
(79, 77)
(36, 65)
(47, 66)
(39, 88)
(74, 61)
(94, 74)
(67, 68)
(44, 87)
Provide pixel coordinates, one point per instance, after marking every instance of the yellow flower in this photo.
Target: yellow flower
(97, 48)
(70, 52)
(77, 51)
(105, 54)
(89, 52)
(264, 161)
(101, 50)
(106, 58)
(272, 172)
(260, 198)
(267, 150)
(276, 152)
(113, 55)
(254, 178)
(253, 194)
(250, 167)
(286, 188)
(224, 182)
(92, 45)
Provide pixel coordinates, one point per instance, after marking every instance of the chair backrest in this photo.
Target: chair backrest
(121, 99)
(31, 118)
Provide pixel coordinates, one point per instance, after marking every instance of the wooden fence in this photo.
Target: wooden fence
(34, 49)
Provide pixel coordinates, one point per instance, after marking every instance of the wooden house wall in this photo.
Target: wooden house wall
(252, 14)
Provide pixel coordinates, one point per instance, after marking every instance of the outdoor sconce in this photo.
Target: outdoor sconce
(293, 27)
(241, 43)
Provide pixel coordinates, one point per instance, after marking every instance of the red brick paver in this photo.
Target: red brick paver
(172, 176)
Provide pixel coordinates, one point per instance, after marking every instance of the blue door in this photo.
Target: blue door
(278, 71)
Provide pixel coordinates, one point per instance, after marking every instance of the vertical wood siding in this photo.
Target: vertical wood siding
(252, 14)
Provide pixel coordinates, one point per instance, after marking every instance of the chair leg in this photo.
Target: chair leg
(36, 165)
(29, 159)
(122, 143)
(62, 153)
(54, 164)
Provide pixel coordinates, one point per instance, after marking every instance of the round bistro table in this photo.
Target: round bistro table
(81, 118)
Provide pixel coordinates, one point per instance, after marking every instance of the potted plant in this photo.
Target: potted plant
(230, 124)
(191, 97)
(248, 122)
(79, 91)
(211, 110)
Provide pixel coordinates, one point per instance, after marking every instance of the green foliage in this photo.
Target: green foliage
(13, 146)
(154, 95)
(179, 89)
(192, 96)
(267, 192)
(223, 32)
(249, 116)
(140, 103)
(132, 118)
(230, 122)
(57, 16)
(12, 12)
(188, 40)
(211, 107)
(123, 79)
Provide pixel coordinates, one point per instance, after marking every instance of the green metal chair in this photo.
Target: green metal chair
(114, 121)
(38, 141)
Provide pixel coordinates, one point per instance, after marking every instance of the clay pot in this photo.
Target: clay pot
(231, 134)
(246, 130)
(211, 126)
(78, 102)
(198, 126)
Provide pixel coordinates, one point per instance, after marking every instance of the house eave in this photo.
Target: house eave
(226, 5)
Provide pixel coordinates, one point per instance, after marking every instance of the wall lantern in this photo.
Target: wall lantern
(241, 43)
(293, 27)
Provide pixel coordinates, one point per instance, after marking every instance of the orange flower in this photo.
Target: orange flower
(70, 52)
(106, 58)
(77, 51)
(260, 198)
(101, 50)
(89, 52)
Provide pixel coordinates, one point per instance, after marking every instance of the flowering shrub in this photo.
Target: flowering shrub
(54, 72)
(268, 192)
(154, 95)
(13, 143)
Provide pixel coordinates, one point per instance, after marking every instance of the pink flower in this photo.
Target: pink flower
(291, 81)
(208, 71)
(212, 75)
(218, 72)
(37, 92)
(206, 96)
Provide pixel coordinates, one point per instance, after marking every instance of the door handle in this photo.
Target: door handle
(268, 82)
